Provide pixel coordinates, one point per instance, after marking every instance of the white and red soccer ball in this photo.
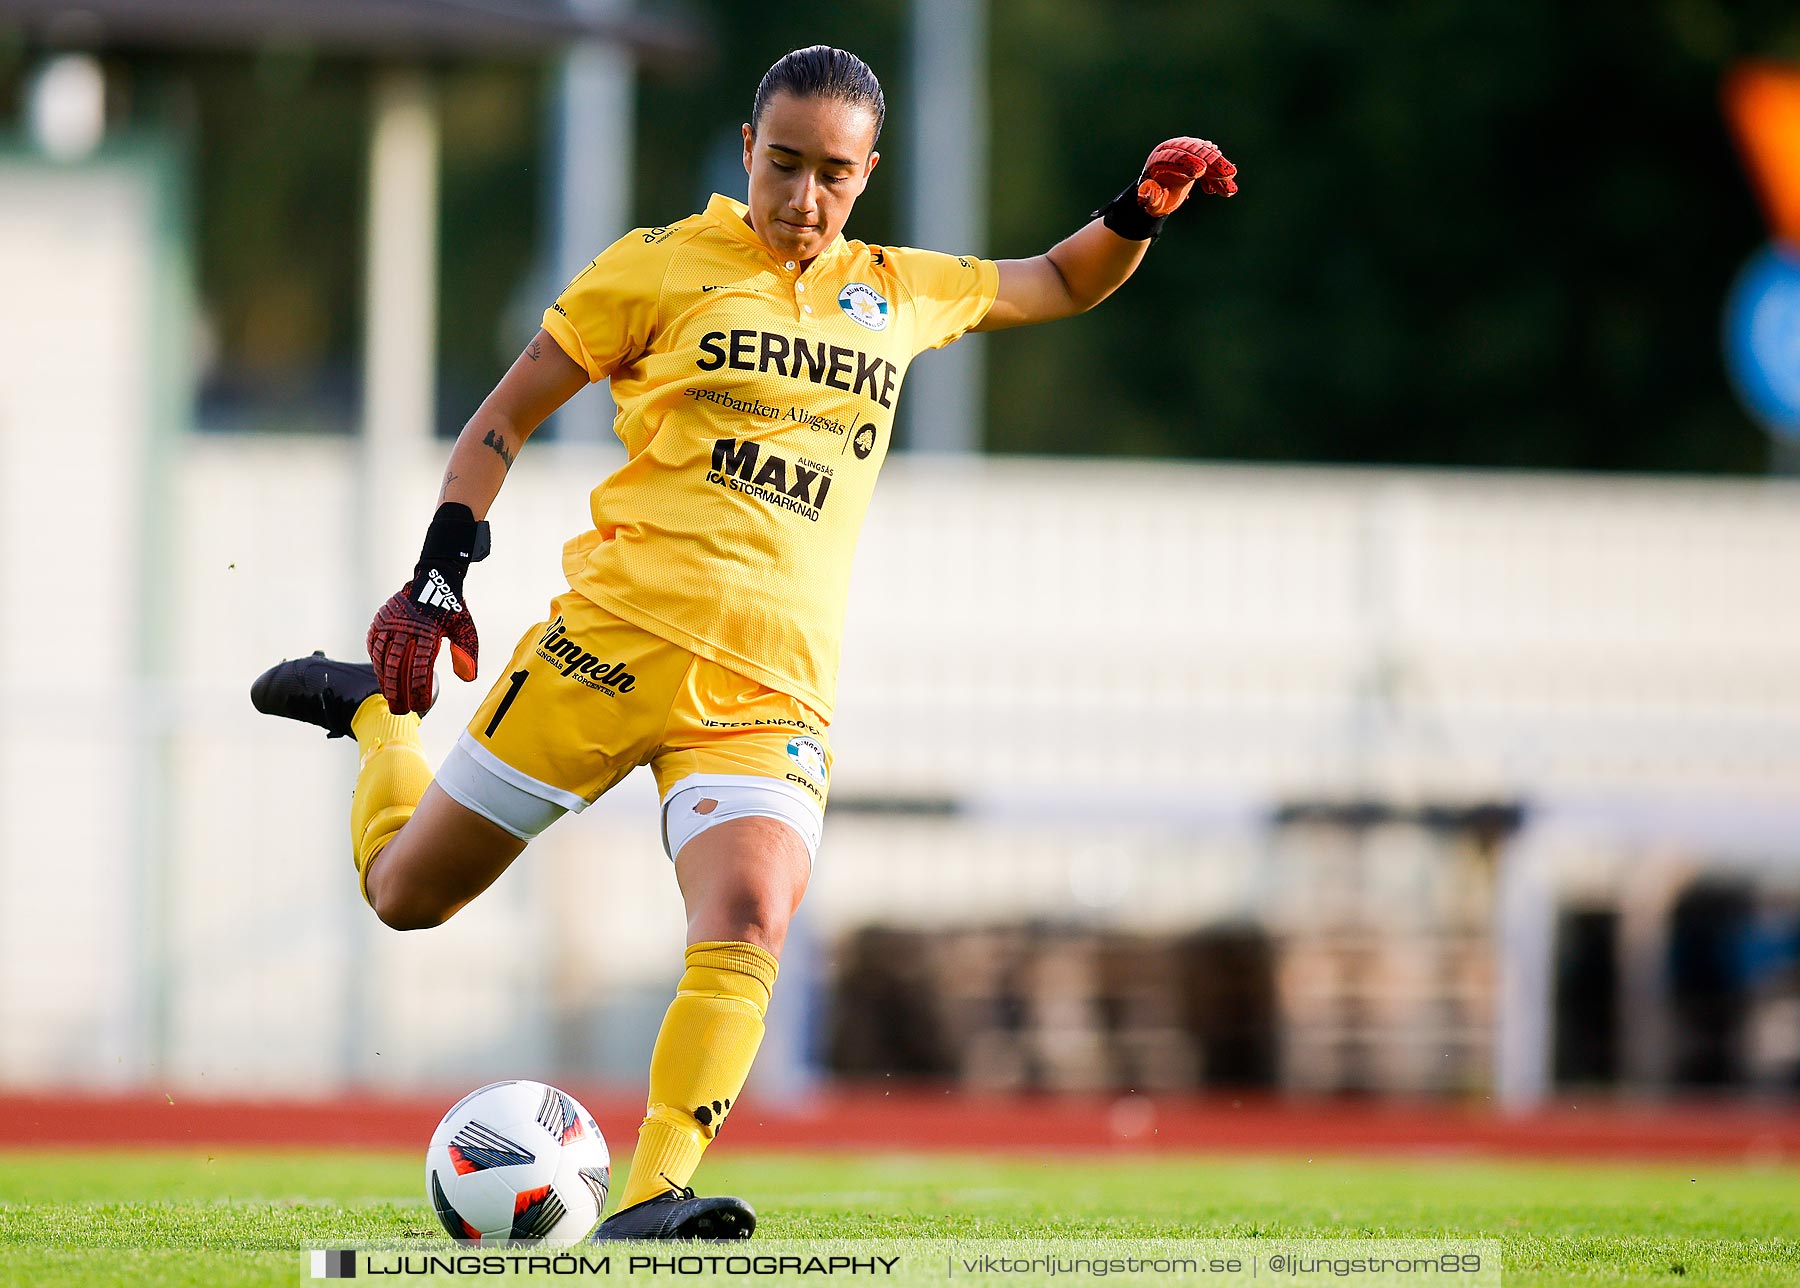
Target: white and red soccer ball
(517, 1162)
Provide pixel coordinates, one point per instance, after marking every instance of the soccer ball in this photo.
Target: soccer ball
(517, 1162)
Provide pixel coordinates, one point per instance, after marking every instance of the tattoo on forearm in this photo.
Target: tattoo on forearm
(449, 478)
(536, 350)
(496, 441)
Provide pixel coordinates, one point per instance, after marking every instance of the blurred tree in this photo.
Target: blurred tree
(1493, 233)
(1478, 234)
(688, 136)
(277, 145)
(492, 231)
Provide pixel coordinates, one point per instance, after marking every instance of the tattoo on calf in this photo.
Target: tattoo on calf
(449, 478)
(498, 443)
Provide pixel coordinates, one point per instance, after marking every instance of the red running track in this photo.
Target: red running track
(873, 1120)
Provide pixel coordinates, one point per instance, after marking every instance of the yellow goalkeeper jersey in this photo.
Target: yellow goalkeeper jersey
(756, 403)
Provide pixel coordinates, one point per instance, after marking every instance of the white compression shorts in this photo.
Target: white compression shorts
(702, 801)
(478, 780)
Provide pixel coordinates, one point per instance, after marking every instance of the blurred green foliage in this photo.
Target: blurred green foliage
(278, 147)
(1490, 233)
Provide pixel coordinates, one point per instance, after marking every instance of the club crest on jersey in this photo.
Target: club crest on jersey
(864, 306)
(809, 755)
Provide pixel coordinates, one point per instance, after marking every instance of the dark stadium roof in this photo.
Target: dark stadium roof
(423, 28)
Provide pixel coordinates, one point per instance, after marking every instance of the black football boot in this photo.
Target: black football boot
(677, 1214)
(315, 690)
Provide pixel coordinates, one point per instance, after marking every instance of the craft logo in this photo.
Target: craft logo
(863, 441)
(863, 306)
(809, 755)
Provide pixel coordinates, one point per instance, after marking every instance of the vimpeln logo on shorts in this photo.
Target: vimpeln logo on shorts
(555, 647)
(809, 755)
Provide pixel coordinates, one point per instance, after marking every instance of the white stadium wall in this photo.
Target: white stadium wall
(1107, 673)
(85, 400)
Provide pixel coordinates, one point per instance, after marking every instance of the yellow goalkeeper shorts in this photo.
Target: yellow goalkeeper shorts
(588, 697)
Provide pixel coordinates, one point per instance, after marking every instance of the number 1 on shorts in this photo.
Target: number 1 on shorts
(518, 682)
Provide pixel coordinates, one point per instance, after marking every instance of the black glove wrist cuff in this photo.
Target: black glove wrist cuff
(1128, 219)
(455, 539)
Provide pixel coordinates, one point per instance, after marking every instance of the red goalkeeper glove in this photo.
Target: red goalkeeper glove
(1168, 176)
(408, 630)
(1173, 169)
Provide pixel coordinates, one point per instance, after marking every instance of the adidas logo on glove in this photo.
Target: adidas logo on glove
(436, 593)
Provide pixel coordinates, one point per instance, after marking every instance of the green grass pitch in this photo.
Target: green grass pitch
(237, 1218)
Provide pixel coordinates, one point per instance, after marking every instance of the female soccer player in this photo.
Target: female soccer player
(755, 355)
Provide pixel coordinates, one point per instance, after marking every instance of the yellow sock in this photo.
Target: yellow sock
(394, 775)
(703, 1054)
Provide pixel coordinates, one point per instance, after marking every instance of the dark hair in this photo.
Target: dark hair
(819, 71)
